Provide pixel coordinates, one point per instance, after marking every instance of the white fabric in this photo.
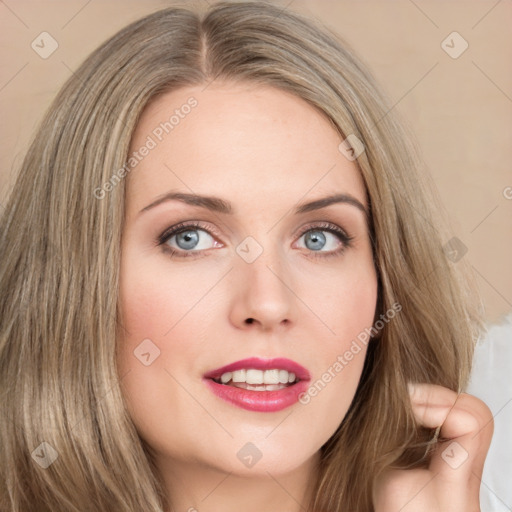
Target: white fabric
(491, 381)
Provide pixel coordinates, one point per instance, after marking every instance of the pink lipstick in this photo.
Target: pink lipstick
(256, 384)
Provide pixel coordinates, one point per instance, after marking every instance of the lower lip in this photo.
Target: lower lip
(261, 401)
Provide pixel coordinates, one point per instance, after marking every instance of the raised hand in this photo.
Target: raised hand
(452, 481)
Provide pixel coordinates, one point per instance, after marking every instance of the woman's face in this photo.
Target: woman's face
(252, 278)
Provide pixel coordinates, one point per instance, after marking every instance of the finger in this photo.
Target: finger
(466, 425)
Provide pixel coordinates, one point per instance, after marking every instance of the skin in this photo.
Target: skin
(264, 151)
(451, 483)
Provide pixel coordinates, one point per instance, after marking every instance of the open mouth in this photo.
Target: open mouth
(258, 380)
(258, 384)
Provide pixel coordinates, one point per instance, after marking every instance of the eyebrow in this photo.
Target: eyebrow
(216, 204)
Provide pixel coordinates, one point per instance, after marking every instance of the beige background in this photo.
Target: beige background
(460, 109)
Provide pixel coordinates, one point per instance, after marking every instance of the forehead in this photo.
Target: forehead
(242, 141)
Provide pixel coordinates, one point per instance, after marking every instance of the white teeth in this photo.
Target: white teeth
(226, 377)
(274, 387)
(267, 387)
(271, 377)
(238, 376)
(252, 376)
(283, 376)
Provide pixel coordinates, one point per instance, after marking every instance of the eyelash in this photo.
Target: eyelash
(188, 226)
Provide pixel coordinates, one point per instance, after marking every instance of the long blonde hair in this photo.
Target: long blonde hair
(60, 253)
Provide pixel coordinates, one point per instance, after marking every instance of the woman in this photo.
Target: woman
(224, 285)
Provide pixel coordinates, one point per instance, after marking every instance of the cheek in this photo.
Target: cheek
(159, 311)
(347, 307)
(345, 301)
(153, 299)
(152, 305)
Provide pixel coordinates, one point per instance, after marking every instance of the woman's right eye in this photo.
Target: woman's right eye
(189, 238)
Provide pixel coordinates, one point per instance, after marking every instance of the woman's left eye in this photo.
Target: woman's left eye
(321, 236)
(185, 239)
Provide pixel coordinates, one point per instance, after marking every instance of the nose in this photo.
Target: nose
(262, 294)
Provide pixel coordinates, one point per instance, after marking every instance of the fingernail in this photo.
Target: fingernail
(412, 388)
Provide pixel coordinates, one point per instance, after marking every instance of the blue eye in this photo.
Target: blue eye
(190, 239)
(186, 239)
(316, 239)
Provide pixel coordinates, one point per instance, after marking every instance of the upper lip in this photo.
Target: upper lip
(280, 363)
